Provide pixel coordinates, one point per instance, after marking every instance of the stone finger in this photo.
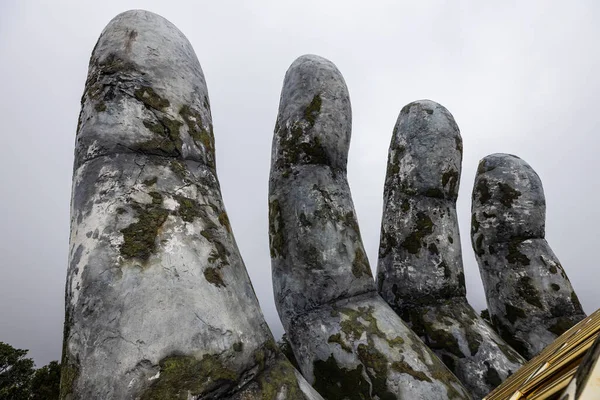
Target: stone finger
(158, 301)
(530, 299)
(420, 271)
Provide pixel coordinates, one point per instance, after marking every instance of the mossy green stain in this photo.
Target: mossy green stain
(561, 325)
(528, 291)
(450, 178)
(100, 107)
(435, 193)
(150, 98)
(360, 264)
(479, 250)
(238, 347)
(483, 190)
(507, 194)
(447, 271)
(513, 312)
(214, 276)
(150, 181)
(376, 367)
(224, 221)
(182, 374)
(423, 227)
(404, 368)
(405, 205)
(491, 375)
(514, 255)
(505, 333)
(485, 315)
(313, 110)
(168, 143)
(335, 382)
(196, 129)
(337, 338)
(279, 378)
(474, 224)
(139, 238)
(276, 230)
(433, 249)
(188, 209)
(474, 340)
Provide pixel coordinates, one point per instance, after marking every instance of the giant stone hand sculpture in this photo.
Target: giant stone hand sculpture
(348, 342)
(420, 272)
(158, 301)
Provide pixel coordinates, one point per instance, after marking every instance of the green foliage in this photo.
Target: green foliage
(45, 384)
(19, 380)
(15, 373)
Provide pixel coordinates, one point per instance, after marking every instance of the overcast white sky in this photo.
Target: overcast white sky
(519, 77)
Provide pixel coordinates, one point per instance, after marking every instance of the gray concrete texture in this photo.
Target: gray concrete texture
(530, 299)
(158, 300)
(420, 272)
(347, 341)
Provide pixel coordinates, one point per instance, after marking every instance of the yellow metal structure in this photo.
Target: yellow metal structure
(548, 374)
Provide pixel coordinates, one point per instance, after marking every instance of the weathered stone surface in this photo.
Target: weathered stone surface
(529, 296)
(420, 272)
(346, 339)
(158, 301)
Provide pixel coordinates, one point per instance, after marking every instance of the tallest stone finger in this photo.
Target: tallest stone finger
(158, 301)
(347, 341)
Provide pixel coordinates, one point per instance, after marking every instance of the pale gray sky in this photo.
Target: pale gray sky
(519, 77)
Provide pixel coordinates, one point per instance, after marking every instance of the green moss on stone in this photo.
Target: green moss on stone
(224, 221)
(276, 230)
(405, 205)
(474, 224)
(181, 376)
(139, 238)
(335, 382)
(238, 347)
(485, 315)
(168, 141)
(514, 255)
(436, 193)
(505, 333)
(450, 178)
(528, 291)
(483, 190)
(100, 106)
(423, 227)
(360, 264)
(150, 181)
(196, 129)
(277, 380)
(150, 98)
(312, 111)
(404, 368)
(188, 208)
(512, 313)
(474, 340)
(337, 338)
(491, 375)
(561, 325)
(507, 194)
(214, 276)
